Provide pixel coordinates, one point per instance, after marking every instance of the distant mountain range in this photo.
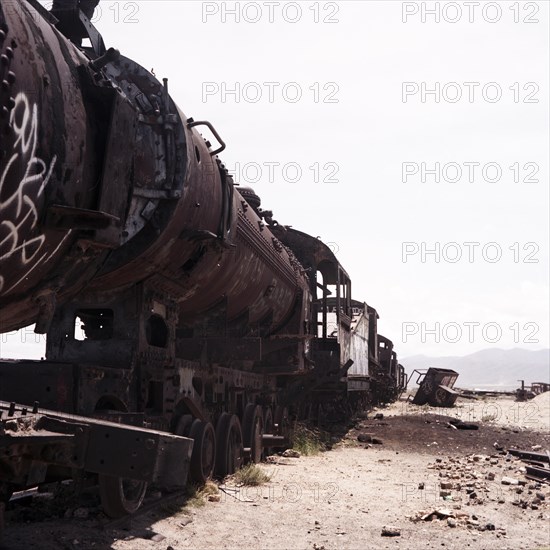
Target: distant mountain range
(489, 368)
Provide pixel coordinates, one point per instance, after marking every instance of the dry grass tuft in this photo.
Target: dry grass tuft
(307, 441)
(198, 494)
(251, 475)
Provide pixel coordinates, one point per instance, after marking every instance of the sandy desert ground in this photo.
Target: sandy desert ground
(436, 486)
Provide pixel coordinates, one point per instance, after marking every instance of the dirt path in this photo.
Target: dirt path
(343, 498)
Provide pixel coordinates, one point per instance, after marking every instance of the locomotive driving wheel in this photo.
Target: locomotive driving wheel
(229, 445)
(253, 429)
(120, 496)
(203, 458)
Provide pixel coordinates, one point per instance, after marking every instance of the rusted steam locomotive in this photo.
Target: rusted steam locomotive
(185, 327)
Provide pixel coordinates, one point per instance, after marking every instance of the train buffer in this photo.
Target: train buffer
(36, 442)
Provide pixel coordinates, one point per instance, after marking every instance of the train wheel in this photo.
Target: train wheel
(253, 429)
(203, 458)
(119, 496)
(229, 445)
(269, 428)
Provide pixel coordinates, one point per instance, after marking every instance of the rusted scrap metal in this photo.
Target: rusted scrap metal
(530, 455)
(32, 441)
(458, 424)
(529, 392)
(535, 464)
(539, 474)
(435, 387)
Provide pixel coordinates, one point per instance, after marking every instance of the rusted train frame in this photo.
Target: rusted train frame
(196, 305)
(35, 443)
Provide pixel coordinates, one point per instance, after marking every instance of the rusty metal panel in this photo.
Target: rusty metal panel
(359, 347)
(42, 104)
(117, 169)
(358, 383)
(50, 383)
(145, 455)
(220, 349)
(436, 388)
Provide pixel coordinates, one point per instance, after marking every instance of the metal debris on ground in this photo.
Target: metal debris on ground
(391, 531)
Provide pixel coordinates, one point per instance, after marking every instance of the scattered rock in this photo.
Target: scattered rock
(214, 498)
(451, 522)
(364, 438)
(378, 416)
(509, 481)
(291, 453)
(467, 426)
(433, 514)
(391, 531)
(421, 486)
(81, 513)
(186, 521)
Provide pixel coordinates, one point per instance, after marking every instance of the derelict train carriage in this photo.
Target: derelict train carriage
(185, 327)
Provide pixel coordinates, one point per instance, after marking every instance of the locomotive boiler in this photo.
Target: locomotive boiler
(172, 303)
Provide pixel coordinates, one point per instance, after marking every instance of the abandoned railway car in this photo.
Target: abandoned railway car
(185, 327)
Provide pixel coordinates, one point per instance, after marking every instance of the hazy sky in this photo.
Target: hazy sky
(373, 102)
